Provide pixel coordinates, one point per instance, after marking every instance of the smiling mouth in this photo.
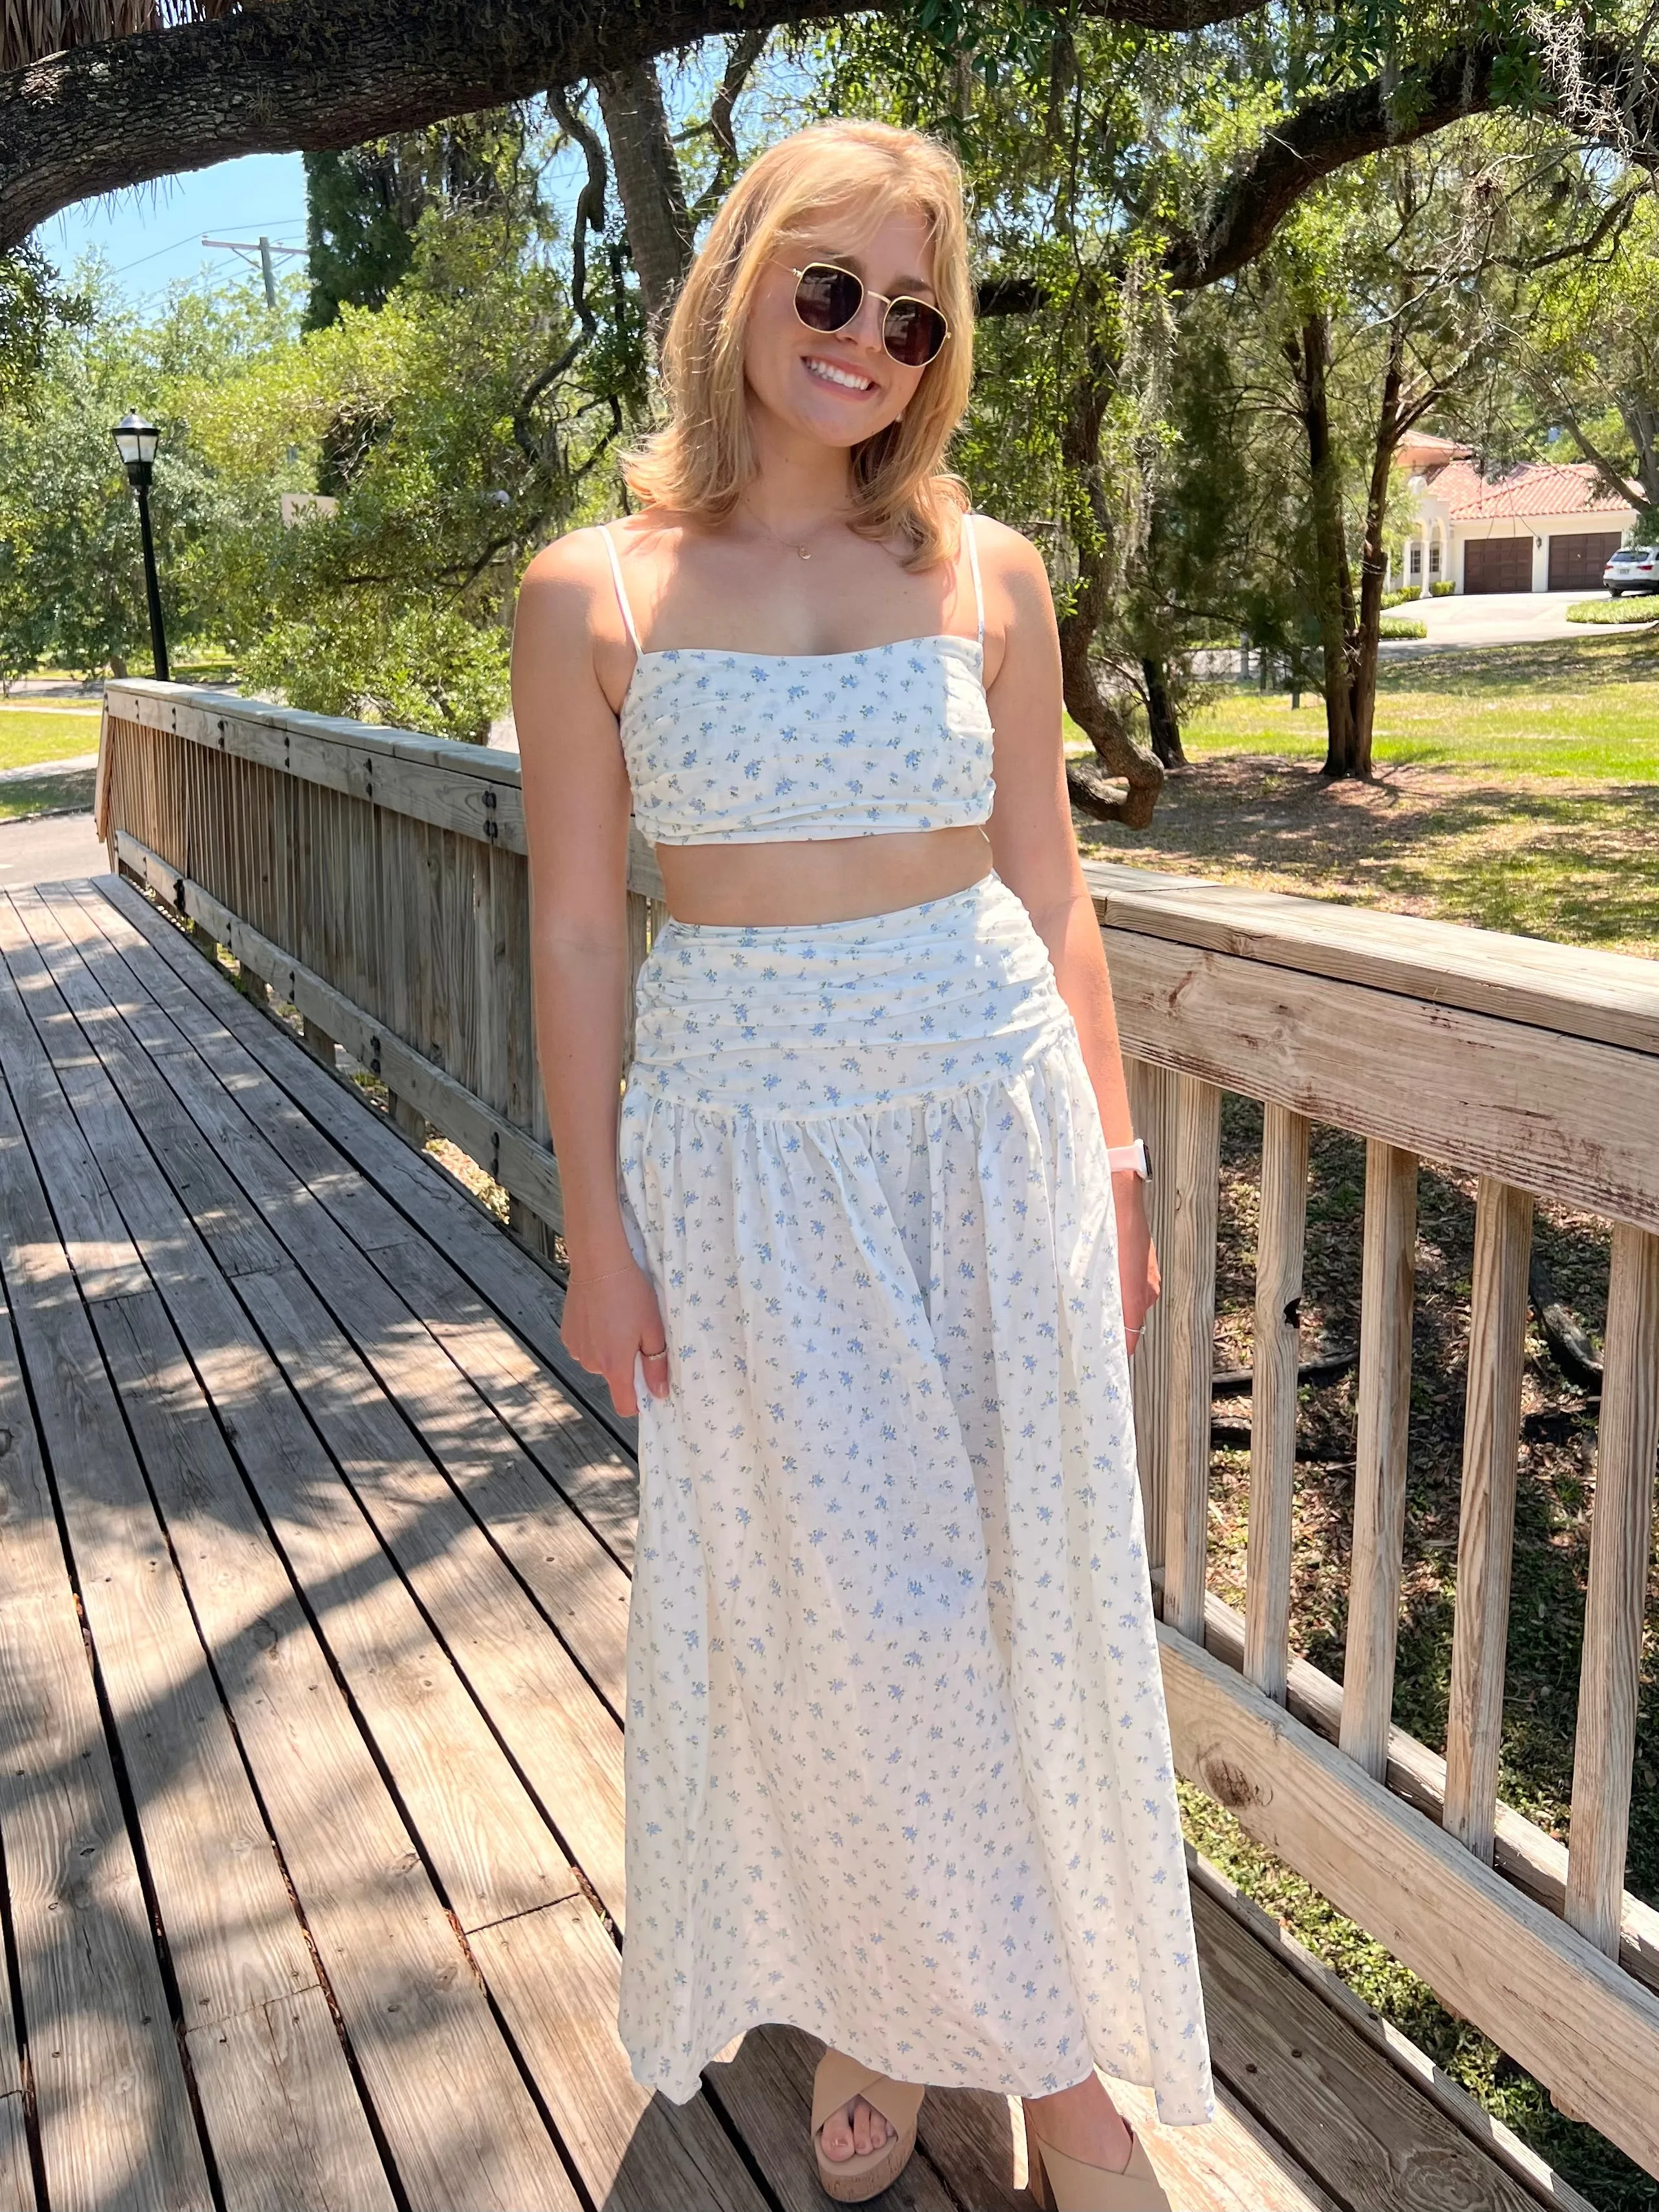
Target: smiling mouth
(832, 372)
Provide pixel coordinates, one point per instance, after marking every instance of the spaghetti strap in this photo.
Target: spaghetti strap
(622, 595)
(973, 563)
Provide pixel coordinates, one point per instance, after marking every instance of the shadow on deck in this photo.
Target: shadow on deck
(314, 1558)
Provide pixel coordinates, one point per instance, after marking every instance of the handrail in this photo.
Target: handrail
(376, 880)
(1613, 997)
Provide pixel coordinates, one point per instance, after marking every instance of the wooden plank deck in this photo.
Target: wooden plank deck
(313, 1588)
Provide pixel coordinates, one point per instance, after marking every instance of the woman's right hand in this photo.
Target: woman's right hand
(610, 1318)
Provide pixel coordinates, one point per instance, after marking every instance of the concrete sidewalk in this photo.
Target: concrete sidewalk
(48, 848)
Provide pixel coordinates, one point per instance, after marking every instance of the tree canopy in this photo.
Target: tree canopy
(101, 94)
(1229, 258)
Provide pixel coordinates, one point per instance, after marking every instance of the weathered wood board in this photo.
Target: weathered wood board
(382, 1389)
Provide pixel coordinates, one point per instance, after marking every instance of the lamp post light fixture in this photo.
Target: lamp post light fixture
(135, 441)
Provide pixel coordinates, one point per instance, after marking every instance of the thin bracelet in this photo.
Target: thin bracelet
(605, 1273)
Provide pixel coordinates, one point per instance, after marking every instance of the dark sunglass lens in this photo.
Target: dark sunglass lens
(827, 299)
(913, 332)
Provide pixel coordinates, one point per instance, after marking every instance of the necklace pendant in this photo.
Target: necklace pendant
(802, 550)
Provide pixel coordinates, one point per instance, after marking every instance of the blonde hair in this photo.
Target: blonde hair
(698, 463)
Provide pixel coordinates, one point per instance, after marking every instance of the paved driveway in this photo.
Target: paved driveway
(46, 848)
(1497, 618)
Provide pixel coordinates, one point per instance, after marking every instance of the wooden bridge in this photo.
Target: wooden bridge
(315, 1548)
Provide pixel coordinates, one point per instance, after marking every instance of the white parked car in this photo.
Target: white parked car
(1632, 569)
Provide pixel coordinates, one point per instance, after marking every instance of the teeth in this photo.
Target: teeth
(841, 376)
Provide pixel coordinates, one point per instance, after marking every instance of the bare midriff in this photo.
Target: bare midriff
(819, 879)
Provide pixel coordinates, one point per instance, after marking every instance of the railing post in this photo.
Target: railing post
(1387, 1284)
(1152, 1106)
(1486, 1531)
(408, 1118)
(1274, 1359)
(1191, 1320)
(1621, 1532)
(318, 1041)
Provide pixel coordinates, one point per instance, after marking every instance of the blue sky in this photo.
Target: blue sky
(152, 235)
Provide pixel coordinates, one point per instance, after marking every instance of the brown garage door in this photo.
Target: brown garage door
(1498, 564)
(1581, 558)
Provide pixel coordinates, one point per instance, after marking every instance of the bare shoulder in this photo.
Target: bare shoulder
(562, 585)
(1009, 558)
(570, 585)
(1011, 566)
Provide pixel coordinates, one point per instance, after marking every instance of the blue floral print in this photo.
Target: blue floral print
(740, 747)
(898, 1765)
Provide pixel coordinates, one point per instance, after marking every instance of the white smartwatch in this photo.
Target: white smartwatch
(1130, 1159)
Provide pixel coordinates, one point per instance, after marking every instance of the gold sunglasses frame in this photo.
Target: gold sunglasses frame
(869, 292)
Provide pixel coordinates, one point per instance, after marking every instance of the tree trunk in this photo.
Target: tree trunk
(648, 180)
(1162, 723)
(1087, 704)
(1641, 421)
(1374, 561)
(1309, 353)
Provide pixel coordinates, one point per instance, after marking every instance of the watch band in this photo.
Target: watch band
(1130, 1159)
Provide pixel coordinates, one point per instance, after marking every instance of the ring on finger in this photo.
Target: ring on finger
(660, 1353)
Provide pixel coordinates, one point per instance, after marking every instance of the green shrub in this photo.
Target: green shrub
(1408, 592)
(428, 668)
(1614, 610)
(1397, 628)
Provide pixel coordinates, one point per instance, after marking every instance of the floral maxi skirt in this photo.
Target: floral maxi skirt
(897, 1761)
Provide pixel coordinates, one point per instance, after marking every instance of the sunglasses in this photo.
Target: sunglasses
(828, 299)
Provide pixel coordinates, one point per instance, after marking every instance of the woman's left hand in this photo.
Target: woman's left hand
(1137, 1262)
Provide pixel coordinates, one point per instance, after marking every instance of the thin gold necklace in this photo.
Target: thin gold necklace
(783, 542)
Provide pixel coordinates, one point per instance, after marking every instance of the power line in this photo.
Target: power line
(159, 250)
(267, 253)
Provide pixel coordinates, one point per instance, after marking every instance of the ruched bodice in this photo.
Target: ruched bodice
(731, 748)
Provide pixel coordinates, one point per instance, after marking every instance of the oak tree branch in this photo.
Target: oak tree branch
(310, 75)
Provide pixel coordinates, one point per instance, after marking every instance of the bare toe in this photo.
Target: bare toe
(836, 2134)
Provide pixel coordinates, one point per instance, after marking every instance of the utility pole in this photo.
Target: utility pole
(268, 255)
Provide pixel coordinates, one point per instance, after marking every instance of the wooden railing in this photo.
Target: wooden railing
(376, 881)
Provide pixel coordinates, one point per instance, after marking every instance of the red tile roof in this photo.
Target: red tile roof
(1538, 488)
(1420, 449)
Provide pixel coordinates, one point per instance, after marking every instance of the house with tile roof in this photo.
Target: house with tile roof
(1542, 526)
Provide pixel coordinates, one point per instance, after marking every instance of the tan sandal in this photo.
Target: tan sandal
(837, 2081)
(1060, 2184)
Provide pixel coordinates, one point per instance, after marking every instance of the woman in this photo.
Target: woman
(855, 1245)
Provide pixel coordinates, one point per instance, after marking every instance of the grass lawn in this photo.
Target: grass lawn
(28, 734)
(1517, 789)
(1563, 706)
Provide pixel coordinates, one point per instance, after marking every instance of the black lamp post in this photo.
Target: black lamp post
(135, 441)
